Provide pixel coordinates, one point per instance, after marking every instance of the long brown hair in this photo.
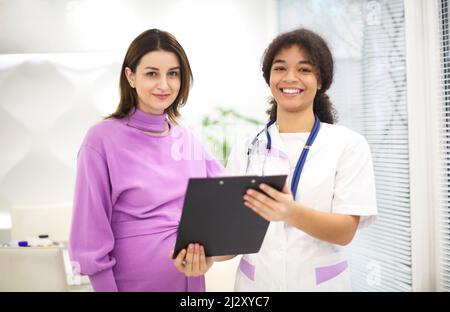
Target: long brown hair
(152, 40)
(321, 58)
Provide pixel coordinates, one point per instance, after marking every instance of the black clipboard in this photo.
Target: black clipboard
(214, 215)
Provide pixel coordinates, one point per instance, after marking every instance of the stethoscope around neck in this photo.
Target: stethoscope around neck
(302, 159)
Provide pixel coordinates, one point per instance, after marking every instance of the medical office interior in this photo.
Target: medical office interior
(59, 73)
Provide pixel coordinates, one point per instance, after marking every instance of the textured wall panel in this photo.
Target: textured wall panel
(47, 102)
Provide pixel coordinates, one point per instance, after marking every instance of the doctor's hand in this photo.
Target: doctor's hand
(192, 262)
(270, 204)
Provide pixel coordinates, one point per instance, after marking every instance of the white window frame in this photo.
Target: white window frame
(423, 91)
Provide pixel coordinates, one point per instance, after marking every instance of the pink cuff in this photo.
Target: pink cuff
(103, 281)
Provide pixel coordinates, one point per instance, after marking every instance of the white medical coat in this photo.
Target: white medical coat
(338, 178)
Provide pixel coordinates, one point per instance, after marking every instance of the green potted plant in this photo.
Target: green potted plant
(218, 128)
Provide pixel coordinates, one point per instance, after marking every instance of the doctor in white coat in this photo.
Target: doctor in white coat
(330, 191)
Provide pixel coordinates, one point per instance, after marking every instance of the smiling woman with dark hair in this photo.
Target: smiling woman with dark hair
(331, 191)
(132, 174)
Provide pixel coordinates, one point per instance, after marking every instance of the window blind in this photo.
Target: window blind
(444, 183)
(381, 254)
(367, 39)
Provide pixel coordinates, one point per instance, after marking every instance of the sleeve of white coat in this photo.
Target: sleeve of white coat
(354, 192)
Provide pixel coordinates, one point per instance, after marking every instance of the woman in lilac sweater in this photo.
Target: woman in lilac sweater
(132, 174)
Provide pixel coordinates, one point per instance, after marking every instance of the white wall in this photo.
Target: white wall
(59, 68)
(223, 39)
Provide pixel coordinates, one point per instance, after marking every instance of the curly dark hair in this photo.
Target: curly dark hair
(321, 58)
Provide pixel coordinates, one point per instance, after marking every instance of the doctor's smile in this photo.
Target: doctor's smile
(291, 91)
